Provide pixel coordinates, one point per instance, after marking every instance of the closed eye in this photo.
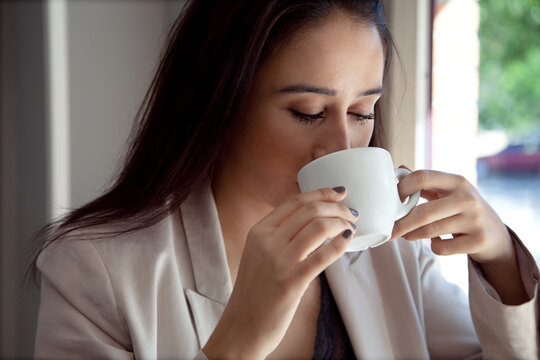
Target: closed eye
(361, 117)
(307, 118)
(312, 118)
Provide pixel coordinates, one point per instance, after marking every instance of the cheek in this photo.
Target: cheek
(273, 151)
(279, 144)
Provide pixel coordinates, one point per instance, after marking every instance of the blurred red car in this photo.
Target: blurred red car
(524, 157)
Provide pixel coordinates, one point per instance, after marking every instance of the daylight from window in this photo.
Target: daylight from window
(485, 109)
(509, 114)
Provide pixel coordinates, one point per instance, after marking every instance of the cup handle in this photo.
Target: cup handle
(404, 209)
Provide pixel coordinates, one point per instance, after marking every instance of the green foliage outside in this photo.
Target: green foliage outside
(510, 65)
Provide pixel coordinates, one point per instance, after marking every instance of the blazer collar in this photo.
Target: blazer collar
(205, 244)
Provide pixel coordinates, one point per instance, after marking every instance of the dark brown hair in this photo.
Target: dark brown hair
(201, 86)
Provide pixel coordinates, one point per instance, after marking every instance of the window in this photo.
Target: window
(485, 124)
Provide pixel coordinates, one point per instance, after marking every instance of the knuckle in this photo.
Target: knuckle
(299, 200)
(471, 202)
(426, 231)
(266, 247)
(338, 247)
(345, 210)
(284, 282)
(326, 193)
(254, 233)
(319, 259)
(430, 230)
(262, 246)
(475, 219)
(260, 239)
(425, 212)
(468, 197)
(462, 181)
(481, 239)
(320, 226)
(314, 208)
(477, 203)
(345, 223)
(423, 177)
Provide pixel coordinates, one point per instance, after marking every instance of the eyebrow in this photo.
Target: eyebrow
(301, 88)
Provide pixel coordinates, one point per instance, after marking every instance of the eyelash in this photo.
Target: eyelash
(311, 118)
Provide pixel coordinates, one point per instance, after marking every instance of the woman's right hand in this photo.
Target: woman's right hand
(283, 253)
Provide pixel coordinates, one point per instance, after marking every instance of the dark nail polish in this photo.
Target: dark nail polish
(347, 233)
(354, 212)
(339, 189)
(353, 225)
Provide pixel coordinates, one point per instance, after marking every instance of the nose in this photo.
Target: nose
(335, 136)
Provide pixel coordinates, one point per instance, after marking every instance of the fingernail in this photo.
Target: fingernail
(347, 233)
(354, 212)
(353, 225)
(339, 189)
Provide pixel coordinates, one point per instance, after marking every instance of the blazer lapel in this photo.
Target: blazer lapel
(356, 297)
(376, 303)
(206, 314)
(213, 284)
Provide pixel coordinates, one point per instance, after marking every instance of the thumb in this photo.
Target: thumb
(404, 167)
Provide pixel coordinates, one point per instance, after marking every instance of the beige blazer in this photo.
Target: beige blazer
(158, 293)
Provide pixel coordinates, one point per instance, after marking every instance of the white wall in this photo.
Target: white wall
(113, 50)
(110, 54)
(410, 23)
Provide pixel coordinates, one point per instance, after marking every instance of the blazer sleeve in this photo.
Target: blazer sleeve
(449, 328)
(78, 314)
(482, 327)
(505, 331)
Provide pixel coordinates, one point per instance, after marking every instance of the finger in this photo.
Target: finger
(310, 211)
(278, 215)
(314, 234)
(429, 180)
(424, 214)
(325, 255)
(403, 197)
(463, 244)
(426, 194)
(452, 225)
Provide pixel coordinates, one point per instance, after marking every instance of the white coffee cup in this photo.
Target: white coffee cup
(369, 176)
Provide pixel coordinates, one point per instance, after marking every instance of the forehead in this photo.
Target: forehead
(339, 53)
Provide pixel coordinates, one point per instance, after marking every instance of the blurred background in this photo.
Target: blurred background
(464, 98)
(485, 109)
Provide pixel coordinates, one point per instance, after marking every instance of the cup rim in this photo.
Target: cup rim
(374, 148)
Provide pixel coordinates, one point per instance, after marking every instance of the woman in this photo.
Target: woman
(205, 248)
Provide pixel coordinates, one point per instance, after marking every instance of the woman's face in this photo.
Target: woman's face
(312, 97)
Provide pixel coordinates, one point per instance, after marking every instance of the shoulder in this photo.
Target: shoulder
(110, 248)
(130, 287)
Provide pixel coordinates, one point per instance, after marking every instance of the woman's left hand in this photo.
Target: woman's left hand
(454, 207)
